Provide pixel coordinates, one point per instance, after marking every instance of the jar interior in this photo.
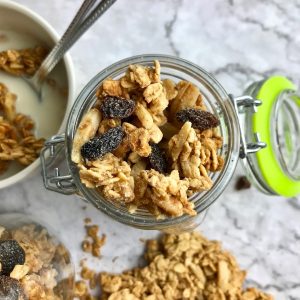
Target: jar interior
(287, 131)
(216, 101)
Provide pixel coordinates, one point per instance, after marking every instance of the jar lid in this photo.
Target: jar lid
(278, 123)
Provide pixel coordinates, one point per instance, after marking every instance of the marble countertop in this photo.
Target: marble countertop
(238, 41)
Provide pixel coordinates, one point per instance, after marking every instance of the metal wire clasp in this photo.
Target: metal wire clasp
(241, 104)
(51, 155)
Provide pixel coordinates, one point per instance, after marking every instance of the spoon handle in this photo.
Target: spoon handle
(83, 20)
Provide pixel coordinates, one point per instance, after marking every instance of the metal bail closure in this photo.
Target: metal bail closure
(277, 122)
(51, 158)
(247, 103)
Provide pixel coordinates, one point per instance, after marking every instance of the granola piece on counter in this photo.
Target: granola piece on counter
(81, 289)
(93, 241)
(89, 275)
(185, 266)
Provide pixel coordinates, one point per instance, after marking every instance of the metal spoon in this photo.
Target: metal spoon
(87, 14)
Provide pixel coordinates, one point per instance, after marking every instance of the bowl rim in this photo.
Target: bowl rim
(70, 79)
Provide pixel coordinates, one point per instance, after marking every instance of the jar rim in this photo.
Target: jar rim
(227, 109)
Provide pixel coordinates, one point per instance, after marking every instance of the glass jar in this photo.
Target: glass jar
(50, 268)
(239, 140)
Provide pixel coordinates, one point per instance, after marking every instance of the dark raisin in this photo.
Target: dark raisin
(11, 289)
(200, 119)
(242, 183)
(157, 158)
(11, 254)
(105, 143)
(116, 107)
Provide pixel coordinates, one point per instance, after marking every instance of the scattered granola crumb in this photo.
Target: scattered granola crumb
(87, 246)
(93, 242)
(89, 275)
(81, 289)
(87, 220)
(185, 266)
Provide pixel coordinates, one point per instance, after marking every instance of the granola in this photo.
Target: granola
(22, 62)
(144, 108)
(185, 266)
(17, 140)
(93, 242)
(38, 273)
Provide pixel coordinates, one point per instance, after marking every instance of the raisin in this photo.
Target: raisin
(11, 289)
(116, 107)
(105, 143)
(157, 158)
(242, 183)
(200, 119)
(11, 254)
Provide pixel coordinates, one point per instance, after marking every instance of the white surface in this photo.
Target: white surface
(238, 41)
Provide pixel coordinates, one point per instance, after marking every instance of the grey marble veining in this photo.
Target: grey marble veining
(237, 41)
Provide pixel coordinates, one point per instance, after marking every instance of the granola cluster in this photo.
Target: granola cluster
(93, 242)
(22, 62)
(148, 142)
(36, 273)
(185, 266)
(17, 140)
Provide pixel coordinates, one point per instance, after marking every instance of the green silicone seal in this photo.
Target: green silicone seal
(266, 158)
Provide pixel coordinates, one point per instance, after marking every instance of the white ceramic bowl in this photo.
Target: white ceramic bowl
(22, 28)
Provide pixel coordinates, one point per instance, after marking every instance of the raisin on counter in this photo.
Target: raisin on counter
(200, 119)
(11, 254)
(116, 107)
(105, 143)
(157, 158)
(242, 183)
